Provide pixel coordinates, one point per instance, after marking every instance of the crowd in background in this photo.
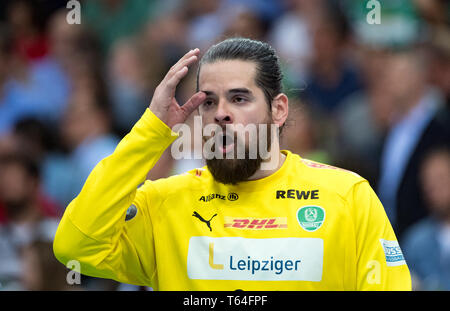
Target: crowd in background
(371, 98)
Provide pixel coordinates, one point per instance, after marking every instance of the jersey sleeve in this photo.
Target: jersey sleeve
(107, 228)
(379, 259)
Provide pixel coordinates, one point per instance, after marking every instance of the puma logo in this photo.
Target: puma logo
(207, 222)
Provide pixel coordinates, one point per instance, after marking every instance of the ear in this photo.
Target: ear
(280, 109)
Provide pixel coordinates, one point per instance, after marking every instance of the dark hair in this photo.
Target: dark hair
(29, 164)
(268, 71)
(6, 46)
(35, 131)
(438, 149)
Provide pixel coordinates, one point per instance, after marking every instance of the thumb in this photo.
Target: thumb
(193, 103)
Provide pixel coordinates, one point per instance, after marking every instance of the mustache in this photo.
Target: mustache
(235, 130)
(226, 135)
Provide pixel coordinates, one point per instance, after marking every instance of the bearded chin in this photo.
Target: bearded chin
(233, 171)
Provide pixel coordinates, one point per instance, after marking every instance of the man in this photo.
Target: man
(237, 223)
(418, 125)
(30, 215)
(427, 242)
(86, 133)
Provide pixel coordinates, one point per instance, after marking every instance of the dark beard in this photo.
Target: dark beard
(233, 171)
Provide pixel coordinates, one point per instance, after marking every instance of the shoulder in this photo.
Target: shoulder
(328, 177)
(155, 192)
(188, 181)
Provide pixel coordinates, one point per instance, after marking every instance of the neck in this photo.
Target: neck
(271, 165)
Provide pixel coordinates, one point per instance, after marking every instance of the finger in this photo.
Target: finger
(193, 103)
(185, 63)
(186, 60)
(176, 78)
(195, 51)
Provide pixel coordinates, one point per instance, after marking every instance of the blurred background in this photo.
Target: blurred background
(371, 98)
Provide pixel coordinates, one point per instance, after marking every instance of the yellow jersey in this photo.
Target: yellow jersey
(308, 226)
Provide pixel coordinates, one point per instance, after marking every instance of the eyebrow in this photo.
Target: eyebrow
(240, 90)
(233, 91)
(208, 93)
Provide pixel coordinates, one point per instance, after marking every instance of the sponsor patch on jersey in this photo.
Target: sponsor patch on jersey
(238, 258)
(393, 253)
(230, 197)
(310, 218)
(255, 223)
(324, 166)
(320, 165)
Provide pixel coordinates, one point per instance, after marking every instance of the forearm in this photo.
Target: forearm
(98, 212)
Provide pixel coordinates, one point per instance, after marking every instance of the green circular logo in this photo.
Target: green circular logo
(310, 218)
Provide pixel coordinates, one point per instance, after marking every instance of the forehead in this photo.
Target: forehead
(223, 75)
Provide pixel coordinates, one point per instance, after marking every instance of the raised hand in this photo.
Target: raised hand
(164, 105)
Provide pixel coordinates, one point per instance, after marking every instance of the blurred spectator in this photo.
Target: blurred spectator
(290, 35)
(211, 21)
(72, 47)
(115, 19)
(20, 186)
(400, 25)
(301, 134)
(168, 35)
(426, 245)
(86, 134)
(7, 116)
(435, 12)
(267, 10)
(33, 138)
(134, 70)
(31, 74)
(40, 269)
(207, 22)
(27, 26)
(331, 75)
(29, 215)
(25, 88)
(439, 69)
(415, 128)
(246, 24)
(364, 117)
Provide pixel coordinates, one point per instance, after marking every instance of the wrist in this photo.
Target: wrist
(159, 114)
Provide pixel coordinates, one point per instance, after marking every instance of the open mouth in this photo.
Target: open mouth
(227, 144)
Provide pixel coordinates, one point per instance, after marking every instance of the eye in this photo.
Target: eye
(208, 103)
(239, 99)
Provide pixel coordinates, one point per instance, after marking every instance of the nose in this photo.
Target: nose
(223, 115)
